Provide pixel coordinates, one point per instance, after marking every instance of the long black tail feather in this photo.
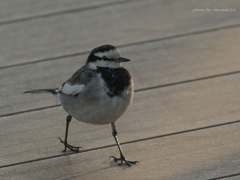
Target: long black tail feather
(38, 91)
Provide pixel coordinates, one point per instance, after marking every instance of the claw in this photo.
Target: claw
(122, 158)
(72, 148)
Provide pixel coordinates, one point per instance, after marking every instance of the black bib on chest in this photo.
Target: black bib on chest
(116, 79)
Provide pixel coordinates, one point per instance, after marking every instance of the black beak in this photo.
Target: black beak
(121, 59)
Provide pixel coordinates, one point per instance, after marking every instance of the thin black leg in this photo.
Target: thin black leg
(72, 148)
(122, 157)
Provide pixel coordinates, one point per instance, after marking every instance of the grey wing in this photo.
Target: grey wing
(77, 82)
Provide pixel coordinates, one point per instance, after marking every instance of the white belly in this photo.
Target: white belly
(100, 109)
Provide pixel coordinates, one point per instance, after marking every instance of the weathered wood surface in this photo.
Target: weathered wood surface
(152, 64)
(184, 120)
(22, 10)
(195, 155)
(123, 24)
(153, 113)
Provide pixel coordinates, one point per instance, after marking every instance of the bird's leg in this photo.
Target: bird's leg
(122, 157)
(72, 148)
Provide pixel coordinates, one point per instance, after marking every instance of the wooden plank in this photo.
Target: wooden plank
(79, 32)
(152, 65)
(201, 154)
(155, 112)
(13, 10)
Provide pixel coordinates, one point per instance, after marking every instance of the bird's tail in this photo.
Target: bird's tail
(39, 91)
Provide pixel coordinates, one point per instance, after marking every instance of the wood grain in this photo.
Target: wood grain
(202, 154)
(122, 24)
(184, 120)
(153, 113)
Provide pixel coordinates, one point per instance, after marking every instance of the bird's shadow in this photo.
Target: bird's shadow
(112, 164)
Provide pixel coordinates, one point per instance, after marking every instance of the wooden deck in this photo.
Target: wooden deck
(184, 122)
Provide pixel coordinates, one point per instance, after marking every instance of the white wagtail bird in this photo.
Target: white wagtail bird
(98, 93)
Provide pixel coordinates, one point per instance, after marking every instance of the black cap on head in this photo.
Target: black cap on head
(103, 48)
(106, 53)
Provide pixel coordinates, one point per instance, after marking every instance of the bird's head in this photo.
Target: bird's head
(105, 56)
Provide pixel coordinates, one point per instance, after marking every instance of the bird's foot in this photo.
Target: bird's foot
(72, 148)
(122, 159)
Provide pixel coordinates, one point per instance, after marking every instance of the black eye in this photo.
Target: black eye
(105, 58)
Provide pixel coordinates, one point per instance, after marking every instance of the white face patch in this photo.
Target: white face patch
(71, 89)
(102, 63)
(111, 54)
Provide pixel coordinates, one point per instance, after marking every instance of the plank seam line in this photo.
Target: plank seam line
(224, 177)
(29, 110)
(137, 90)
(126, 45)
(69, 11)
(188, 81)
(128, 142)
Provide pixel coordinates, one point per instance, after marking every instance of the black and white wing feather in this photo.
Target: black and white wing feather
(72, 86)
